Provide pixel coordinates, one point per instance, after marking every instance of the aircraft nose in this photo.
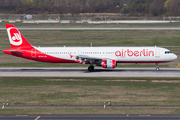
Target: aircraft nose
(175, 56)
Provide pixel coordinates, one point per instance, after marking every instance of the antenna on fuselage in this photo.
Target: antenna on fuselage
(91, 44)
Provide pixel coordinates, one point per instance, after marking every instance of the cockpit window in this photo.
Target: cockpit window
(168, 52)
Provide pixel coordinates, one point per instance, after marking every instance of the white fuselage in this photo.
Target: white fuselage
(120, 54)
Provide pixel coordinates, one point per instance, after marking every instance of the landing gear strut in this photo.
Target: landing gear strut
(157, 68)
(90, 68)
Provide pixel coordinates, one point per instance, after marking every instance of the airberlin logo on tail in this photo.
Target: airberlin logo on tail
(14, 36)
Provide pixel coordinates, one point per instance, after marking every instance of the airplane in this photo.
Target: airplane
(107, 57)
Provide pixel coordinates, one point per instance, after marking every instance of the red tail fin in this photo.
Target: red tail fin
(16, 39)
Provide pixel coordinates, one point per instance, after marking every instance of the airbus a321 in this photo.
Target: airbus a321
(107, 57)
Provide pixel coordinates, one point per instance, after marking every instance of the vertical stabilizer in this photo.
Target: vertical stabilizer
(16, 39)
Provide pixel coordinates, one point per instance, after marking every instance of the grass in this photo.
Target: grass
(98, 38)
(168, 38)
(91, 111)
(18, 24)
(90, 91)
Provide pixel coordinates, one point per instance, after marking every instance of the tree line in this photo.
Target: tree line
(130, 7)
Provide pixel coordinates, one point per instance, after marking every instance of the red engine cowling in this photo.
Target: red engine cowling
(108, 63)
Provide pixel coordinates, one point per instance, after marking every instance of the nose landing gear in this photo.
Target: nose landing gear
(157, 68)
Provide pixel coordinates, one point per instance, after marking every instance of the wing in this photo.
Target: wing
(90, 59)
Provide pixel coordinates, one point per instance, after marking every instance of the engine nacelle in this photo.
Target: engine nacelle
(108, 63)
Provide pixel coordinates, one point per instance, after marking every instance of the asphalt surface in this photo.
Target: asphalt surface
(95, 28)
(34, 107)
(83, 72)
(90, 117)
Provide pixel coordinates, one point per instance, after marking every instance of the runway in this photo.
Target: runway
(83, 72)
(90, 117)
(95, 28)
(82, 106)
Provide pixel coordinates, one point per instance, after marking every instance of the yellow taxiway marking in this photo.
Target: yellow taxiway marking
(37, 117)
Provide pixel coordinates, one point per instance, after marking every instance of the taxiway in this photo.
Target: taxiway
(90, 117)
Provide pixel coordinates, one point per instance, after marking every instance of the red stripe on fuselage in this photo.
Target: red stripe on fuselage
(143, 61)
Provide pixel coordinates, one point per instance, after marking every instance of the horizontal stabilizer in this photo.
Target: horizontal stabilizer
(13, 51)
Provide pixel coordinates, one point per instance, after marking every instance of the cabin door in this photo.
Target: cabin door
(157, 53)
(33, 53)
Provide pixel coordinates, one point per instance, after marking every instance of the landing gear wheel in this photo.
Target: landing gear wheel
(157, 68)
(90, 68)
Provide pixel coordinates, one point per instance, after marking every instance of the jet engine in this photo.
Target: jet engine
(108, 63)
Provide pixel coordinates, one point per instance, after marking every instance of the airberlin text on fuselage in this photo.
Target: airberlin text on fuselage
(136, 53)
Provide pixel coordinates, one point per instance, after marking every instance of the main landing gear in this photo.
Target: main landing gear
(157, 68)
(90, 68)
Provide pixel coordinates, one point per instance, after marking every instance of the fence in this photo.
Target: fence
(101, 18)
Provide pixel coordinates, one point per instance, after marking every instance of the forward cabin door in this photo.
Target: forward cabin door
(157, 55)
